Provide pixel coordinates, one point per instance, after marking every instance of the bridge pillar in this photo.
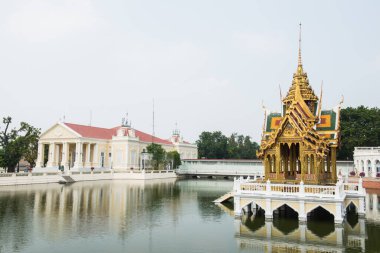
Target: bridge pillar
(237, 209)
(302, 228)
(268, 209)
(268, 226)
(302, 217)
(339, 235)
(338, 216)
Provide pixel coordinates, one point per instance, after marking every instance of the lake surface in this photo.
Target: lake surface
(164, 216)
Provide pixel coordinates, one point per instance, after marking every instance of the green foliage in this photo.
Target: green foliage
(158, 155)
(359, 127)
(214, 145)
(17, 143)
(174, 159)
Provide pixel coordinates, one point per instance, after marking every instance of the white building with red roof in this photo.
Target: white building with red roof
(80, 148)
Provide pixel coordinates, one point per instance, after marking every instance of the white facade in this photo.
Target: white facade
(367, 160)
(80, 148)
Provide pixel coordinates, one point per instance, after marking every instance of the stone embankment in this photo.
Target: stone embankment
(58, 177)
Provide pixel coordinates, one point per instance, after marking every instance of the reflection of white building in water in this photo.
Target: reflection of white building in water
(78, 147)
(367, 160)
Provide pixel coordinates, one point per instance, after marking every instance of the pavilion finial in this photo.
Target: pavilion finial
(299, 47)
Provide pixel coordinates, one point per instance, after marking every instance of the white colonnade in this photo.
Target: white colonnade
(67, 155)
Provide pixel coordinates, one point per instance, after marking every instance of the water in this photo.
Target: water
(165, 216)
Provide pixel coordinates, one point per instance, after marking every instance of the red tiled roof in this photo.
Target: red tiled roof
(148, 138)
(107, 133)
(92, 132)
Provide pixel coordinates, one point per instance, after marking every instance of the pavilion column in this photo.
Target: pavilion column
(266, 166)
(278, 161)
(78, 155)
(316, 168)
(65, 155)
(291, 159)
(294, 152)
(51, 161)
(328, 164)
(302, 167)
(88, 153)
(40, 155)
(333, 164)
(286, 161)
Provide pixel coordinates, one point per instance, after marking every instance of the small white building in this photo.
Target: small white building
(80, 148)
(367, 160)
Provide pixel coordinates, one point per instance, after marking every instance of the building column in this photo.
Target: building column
(333, 164)
(40, 155)
(88, 153)
(78, 155)
(374, 171)
(65, 155)
(95, 156)
(361, 209)
(57, 150)
(51, 161)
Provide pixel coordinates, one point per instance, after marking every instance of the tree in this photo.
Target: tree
(174, 159)
(233, 149)
(16, 143)
(359, 127)
(249, 148)
(214, 145)
(158, 155)
(31, 146)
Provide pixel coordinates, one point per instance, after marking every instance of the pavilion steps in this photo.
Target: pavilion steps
(225, 197)
(68, 179)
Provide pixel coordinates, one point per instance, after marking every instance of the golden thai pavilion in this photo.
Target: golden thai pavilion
(300, 143)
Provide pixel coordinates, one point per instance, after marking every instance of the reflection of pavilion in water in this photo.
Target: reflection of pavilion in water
(253, 232)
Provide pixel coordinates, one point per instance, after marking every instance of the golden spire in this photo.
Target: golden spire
(299, 48)
(299, 67)
(300, 79)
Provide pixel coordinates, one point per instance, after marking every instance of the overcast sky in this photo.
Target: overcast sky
(207, 64)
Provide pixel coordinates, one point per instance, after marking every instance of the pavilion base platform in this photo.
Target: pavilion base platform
(303, 199)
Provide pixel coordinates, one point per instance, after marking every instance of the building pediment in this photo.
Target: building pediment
(59, 131)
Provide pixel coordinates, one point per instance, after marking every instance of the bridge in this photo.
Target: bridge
(221, 168)
(227, 168)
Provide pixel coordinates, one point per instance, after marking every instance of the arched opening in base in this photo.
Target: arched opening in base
(320, 222)
(255, 221)
(285, 219)
(352, 215)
